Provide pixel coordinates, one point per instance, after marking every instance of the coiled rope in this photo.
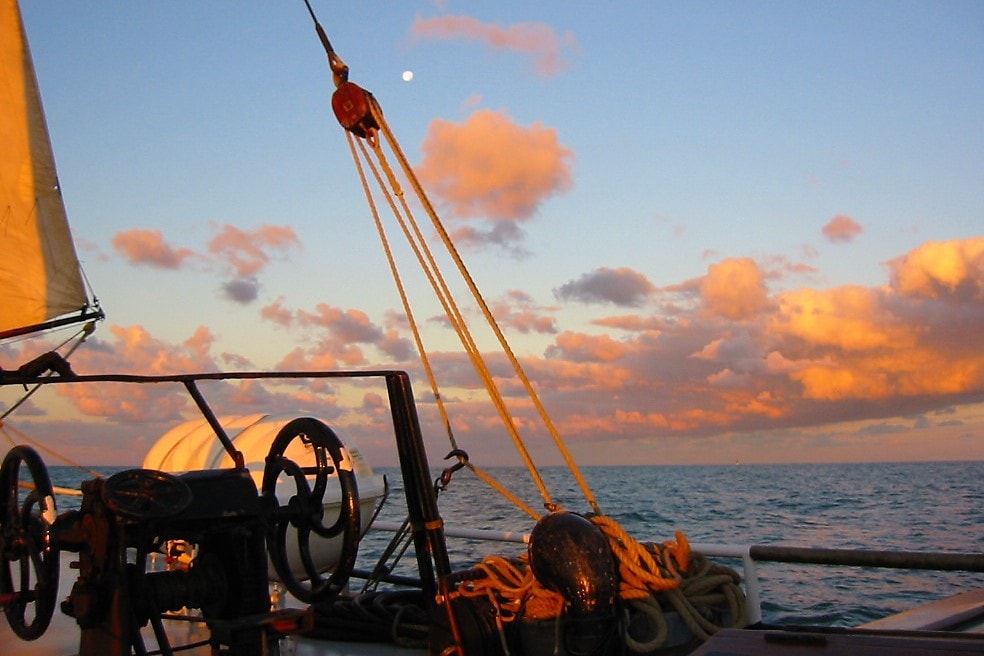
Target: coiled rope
(400, 616)
(654, 579)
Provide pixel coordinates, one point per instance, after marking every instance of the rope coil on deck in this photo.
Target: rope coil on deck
(655, 578)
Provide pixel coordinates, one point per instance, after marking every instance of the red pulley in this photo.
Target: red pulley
(353, 108)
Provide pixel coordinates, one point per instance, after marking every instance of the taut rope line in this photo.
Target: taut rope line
(432, 271)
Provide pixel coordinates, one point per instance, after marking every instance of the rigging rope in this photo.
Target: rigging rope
(24, 438)
(80, 336)
(431, 269)
(655, 578)
(487, 313)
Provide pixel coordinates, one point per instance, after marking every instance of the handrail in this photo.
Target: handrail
(931, 560)
(183, 378)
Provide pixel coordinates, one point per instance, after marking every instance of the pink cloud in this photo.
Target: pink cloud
(147, 247)
(277, 313)
(247, 252)
(335, 337)
(578, 347)
(519, 312)
(243, 252)
(537, 40)
(841, 228)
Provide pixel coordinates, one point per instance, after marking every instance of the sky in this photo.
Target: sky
(711, 232)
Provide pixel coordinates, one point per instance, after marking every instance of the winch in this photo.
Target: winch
(228, 527)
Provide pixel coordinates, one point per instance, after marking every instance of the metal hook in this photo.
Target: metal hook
(445, 480)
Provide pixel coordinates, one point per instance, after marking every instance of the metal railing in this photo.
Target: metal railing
(751, 555)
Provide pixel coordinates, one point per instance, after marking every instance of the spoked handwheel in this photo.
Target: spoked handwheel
(28, 562)
(145, 494)
(306, 448)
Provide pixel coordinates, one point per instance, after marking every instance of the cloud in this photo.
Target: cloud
(242, 290)
(132, 349)
(621, 286)
(490, 168)
(732, 357)
(244, 253)
(577, 347)
(334, 337)
(728, 353)
(734, 289)
(115, 423)
(506, 236)
(941, 269)
(247, 252)
(145, 247)
(841, 229)
(537, 40)
(519, 312)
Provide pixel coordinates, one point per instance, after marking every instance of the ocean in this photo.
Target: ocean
(911, 506)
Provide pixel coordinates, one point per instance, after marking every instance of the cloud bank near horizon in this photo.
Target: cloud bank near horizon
(715, 355)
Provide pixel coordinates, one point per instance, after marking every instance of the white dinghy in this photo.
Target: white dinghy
(192, 446)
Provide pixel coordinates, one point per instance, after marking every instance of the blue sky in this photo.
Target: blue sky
(699, 177)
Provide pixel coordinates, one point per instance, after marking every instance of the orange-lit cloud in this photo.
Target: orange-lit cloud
(736, 351)
(841, 229)
(734, 289)
(729, 354)
(949, 269)
(539, 41)
(147, 247)
(491, 168)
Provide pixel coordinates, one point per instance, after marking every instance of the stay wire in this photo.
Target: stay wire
(401, 289)
(490, 319)
(429, 267)
(340, 73)
(428, 263)
(81, 336)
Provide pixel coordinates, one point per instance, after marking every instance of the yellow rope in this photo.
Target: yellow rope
(644, 570)
(501, 489)
(652, 577)
(22, 438)
(511, 587)
(490, 319)
(418, 340)
(431, 269)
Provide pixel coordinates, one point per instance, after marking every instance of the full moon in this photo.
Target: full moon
(407, 76)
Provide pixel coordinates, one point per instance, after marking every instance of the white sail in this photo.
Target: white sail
(40, 278)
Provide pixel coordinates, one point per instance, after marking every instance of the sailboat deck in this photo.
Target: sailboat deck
(962, 612)
(951, 626)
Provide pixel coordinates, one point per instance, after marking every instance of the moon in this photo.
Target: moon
(407, 76)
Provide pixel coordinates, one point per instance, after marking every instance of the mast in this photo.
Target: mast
(41, 282)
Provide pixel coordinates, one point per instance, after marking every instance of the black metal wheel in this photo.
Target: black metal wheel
(305, 508)
(143, 494)
(28, 561)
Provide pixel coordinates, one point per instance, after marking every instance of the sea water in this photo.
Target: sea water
(909, 506)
